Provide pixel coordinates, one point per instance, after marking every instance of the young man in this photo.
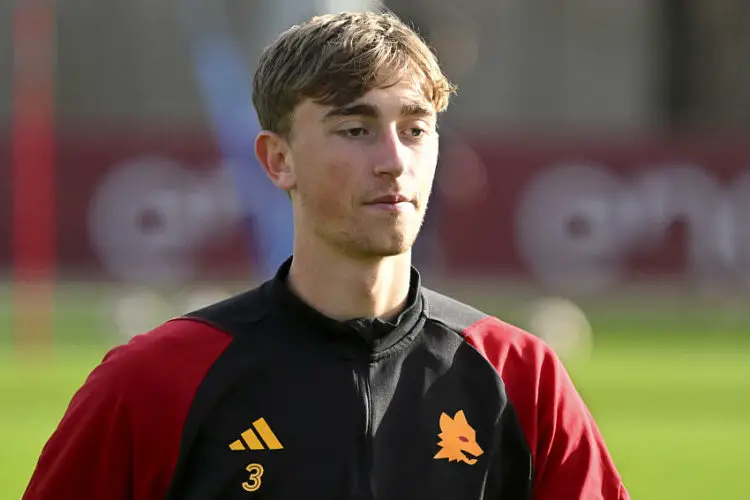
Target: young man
(341, 378)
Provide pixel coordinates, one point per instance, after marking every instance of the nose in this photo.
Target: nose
(392, 155)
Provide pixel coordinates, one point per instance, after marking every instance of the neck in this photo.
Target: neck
(344, 288)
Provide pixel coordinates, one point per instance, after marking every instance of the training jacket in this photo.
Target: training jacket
(261, 396)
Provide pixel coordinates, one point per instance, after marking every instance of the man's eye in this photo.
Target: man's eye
(355, 132)
(416, 132)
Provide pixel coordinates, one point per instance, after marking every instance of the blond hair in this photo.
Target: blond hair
(336, 59)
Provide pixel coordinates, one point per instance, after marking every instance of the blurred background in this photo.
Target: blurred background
(593, 187)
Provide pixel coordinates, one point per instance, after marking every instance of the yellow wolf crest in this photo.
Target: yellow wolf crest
(457, 439)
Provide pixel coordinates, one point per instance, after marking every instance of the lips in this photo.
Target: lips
(390, 199)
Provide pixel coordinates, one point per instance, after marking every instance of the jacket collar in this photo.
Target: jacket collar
(371, 334)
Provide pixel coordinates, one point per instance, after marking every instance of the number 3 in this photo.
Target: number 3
(253, 483)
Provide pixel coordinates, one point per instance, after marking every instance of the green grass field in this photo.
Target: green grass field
(668, 384)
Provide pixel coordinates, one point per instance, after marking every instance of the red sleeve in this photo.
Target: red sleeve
(120, 436)
(571, 461)
(90, 454)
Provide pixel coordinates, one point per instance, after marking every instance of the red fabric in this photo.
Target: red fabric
(571, 461)
(120, 436)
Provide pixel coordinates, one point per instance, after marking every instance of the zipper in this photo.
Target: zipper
(364, 481)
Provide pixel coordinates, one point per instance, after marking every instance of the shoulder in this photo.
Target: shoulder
(535, 381)
(163, 366)
(170, 347)
(129, 414)
(450, 312)
(238, 313)
(494, 338)
(174, 357)
(528, 367)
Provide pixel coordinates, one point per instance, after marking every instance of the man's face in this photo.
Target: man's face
(363, 172)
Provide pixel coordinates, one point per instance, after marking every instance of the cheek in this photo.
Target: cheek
(425, 172)
(327, 187)
(339, 176)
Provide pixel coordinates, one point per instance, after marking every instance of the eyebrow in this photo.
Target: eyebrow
(416, 109)
(410, 109)
(366, 110)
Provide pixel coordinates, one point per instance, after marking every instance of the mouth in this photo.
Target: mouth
(392, 202)
(470, 458)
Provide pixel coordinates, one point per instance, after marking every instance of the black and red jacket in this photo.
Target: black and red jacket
(261, 396)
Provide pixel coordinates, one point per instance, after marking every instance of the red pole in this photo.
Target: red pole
(33, 171)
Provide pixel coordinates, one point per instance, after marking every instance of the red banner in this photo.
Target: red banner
(128, 210)
(593, 213)
(589, 214)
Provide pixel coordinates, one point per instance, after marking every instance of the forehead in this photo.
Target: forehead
(403, 98)
(404, 91)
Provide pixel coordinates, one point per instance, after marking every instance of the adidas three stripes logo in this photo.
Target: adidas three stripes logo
(251, 438)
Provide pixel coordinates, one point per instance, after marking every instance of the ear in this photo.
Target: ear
(460, 418)
(272, 151)
(445, 422)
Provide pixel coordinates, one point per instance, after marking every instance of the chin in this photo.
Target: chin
(390, 248)
(390, 251)
(377, 244)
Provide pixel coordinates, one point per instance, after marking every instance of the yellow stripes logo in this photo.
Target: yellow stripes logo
(252, 438)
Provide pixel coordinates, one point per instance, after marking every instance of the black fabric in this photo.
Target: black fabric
(376, 333)
(357, 405)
